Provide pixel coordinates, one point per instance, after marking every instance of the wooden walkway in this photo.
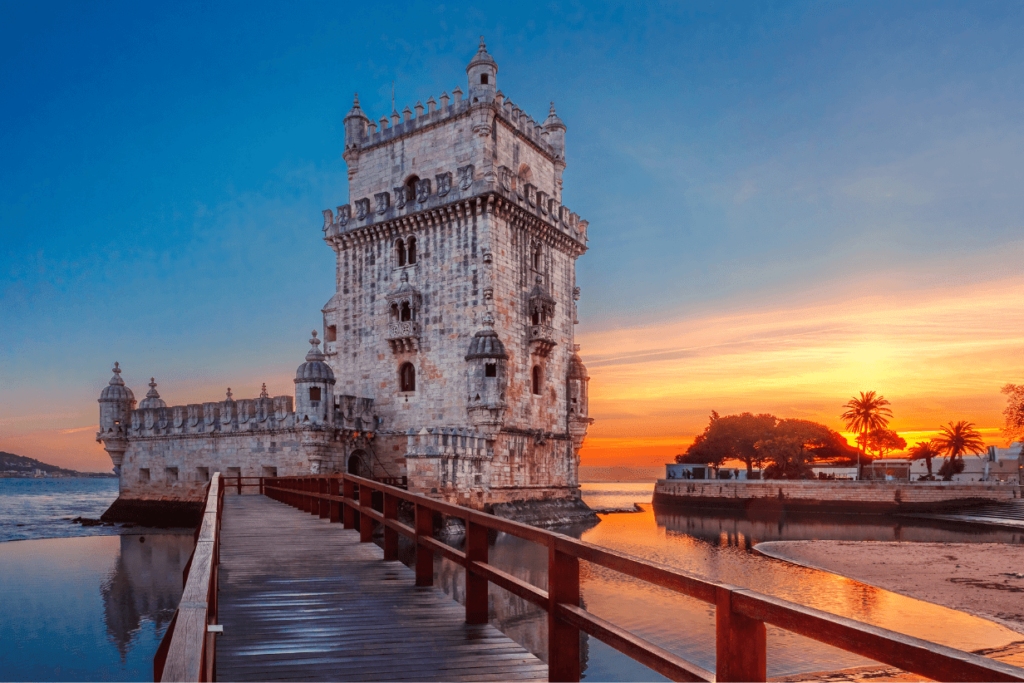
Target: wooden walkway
(303, 599)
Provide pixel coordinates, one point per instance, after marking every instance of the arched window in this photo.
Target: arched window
(536, 316)
(406, 312)
(400, 252)
(410, 187)
(538, 379)
(395, 316)
(525, 175)
(407, 377)
(411, 251)
(535, 257)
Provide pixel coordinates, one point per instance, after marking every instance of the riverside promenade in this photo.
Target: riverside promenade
(288, 585)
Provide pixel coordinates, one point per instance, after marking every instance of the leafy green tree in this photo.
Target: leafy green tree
(885, 441)
(925, 450)
(791, 448)
(731, 437)
(864, 414)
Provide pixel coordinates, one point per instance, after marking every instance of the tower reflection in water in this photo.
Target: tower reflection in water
(719, 546)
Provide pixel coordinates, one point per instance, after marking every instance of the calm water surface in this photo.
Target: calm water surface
(96, 608)
(719, 548)
(84, 604)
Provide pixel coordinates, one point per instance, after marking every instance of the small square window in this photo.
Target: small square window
(171, 474)
(491, 370)
(314, 393)
(269, 471)
(143, 474)
(203, 474)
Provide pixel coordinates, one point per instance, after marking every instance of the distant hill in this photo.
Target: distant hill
(19, 465)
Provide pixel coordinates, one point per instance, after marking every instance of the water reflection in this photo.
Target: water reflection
(87, 608)
(719, 548)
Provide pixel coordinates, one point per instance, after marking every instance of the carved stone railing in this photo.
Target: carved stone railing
(404, 336)
(542, 338)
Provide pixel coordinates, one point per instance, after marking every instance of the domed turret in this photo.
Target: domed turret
(556, 132)
(577, 394)
(487, 375)
(314, 388)
(152, 399)
(116, 403)
(483, 73)
(355, 125)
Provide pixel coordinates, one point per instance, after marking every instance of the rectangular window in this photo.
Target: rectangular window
(491, 370)
(269, 471)
(171, 474)
(232, 472)
(144, 474)
(331, 333)
(314, 393)
(203, 474)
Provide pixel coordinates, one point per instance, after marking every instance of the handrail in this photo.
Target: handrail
(740, 614)
(187, 651)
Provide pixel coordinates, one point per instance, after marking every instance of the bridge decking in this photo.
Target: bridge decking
(303, 599)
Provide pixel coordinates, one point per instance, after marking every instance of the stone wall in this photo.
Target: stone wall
(866, 497)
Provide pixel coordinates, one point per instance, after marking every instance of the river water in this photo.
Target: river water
(92, 608)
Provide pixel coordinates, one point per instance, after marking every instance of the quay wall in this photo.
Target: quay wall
(818, 496)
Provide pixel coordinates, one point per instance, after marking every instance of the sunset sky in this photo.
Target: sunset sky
(788, 203)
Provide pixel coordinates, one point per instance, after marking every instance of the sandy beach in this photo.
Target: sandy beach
(984, 579)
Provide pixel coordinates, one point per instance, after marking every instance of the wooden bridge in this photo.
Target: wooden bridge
(275, 594)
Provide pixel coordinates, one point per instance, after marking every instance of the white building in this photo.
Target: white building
(996, 465)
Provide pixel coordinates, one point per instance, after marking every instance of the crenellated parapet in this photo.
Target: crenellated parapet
(444, 201)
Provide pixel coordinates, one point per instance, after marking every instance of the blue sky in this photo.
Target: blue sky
(165, 167)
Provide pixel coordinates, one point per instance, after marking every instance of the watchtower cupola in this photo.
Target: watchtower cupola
(314, 388)
(483, 74)
(487, 375)
(116, 403)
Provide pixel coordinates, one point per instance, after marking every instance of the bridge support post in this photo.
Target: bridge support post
(424, 556)
(333, 488)
(325, 505)
(476, 586)
(348, 514)
(365, 523)
(390, 535)
(563, 638)
(740, 642)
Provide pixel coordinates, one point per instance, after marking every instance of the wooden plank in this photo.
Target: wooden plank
(302, 599)
(185, 654)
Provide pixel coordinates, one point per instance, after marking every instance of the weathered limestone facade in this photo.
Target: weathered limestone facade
(453, 320)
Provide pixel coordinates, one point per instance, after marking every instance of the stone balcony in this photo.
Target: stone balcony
(542, 339)
(404, 336)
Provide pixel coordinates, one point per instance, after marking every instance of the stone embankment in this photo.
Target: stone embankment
(825, 496)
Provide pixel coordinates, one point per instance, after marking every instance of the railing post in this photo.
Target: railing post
(325, 505)
(332, 489)
(424, 556)
(563, 638)
(476, 586)
(740, 643)
(239, 480)
(261, 487)
(348, 513)
(390, 535)
(365, 523)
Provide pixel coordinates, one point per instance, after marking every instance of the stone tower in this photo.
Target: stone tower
(455, 296)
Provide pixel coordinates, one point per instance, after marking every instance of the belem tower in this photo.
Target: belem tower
(447, 352)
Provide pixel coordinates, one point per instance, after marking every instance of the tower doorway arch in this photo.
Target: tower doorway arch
(357, 463)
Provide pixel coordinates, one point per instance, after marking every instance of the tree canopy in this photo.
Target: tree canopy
(957, 439)
(1013, 414)
(925, 450)
(865, 414)
(884, 441)
(786, 446)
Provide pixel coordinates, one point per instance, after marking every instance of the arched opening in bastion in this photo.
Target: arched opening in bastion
(357, 464)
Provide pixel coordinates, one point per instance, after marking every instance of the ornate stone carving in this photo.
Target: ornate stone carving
(328, 219)
(382, 201)
(422, 190)
(542, 201)
(401, 197)
(362, 208)
(465, 177)
(444, 183)
(505, 177)
(530, 192)
(576, 293)
(344, 215)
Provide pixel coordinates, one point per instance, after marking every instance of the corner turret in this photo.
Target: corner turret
(483, 76)
(487, 374)
(355, 136)
(314, 389)
(116, 403)
(578, 399)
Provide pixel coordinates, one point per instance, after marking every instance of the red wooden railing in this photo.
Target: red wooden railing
(741, 614)
(187, 651)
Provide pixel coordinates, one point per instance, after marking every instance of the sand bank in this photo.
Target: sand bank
(983, 579)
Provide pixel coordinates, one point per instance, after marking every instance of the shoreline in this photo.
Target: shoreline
(975, 578)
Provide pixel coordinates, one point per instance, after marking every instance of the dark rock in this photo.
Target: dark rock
(546, 513)
(163, 514)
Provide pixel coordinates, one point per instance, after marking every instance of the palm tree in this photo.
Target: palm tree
(957, 439)
(925, 450)
(865, 414)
